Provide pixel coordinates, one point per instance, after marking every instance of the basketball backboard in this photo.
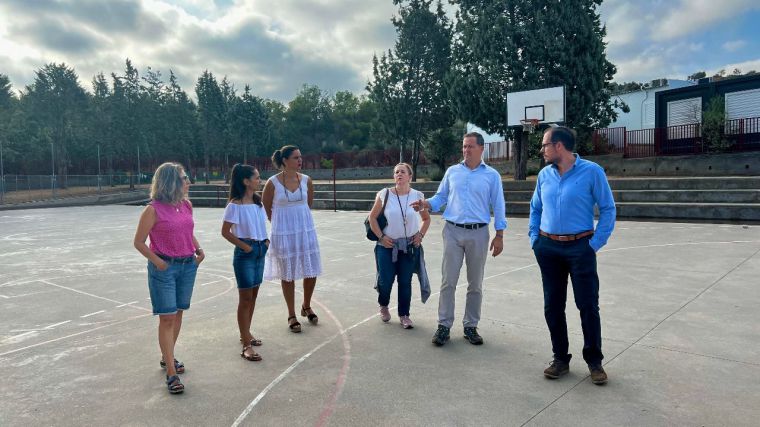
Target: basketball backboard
(545, 105)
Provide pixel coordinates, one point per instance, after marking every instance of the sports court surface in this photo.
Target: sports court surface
(679, 306)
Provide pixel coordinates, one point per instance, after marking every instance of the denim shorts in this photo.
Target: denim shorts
(171, 289)
(249, 267)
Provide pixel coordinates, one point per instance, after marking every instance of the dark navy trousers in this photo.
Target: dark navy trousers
(575, 259)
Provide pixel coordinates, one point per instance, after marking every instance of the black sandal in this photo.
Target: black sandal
(174, 385)
(255, 357)
(178, 366)
(313, 319)
(294, 325)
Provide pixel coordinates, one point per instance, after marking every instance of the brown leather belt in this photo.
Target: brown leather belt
(566, 237)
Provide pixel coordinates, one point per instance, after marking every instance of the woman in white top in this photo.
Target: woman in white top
(394, 251)
(245, 226)
(294, 253)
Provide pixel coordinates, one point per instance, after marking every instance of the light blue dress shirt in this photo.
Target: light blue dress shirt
(469, 195)
(565, 204)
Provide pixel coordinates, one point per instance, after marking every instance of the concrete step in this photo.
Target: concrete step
(687, 196)
(696, 183)
(701, 211)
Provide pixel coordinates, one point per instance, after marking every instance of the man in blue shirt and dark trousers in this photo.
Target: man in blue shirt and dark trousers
(469, 190)
(562, 235)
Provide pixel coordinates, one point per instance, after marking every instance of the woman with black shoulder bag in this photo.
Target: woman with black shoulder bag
(395, 248)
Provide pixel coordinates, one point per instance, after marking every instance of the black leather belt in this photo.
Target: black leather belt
(176, 260)
(469, 226)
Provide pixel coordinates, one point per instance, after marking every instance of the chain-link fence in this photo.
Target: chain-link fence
(26, 188)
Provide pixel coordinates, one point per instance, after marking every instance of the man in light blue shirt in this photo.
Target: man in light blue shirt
(470, 190)
(564, 241)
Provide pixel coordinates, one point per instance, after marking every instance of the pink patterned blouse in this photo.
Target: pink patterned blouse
(172, 234)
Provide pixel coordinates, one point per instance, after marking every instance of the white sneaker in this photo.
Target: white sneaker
(385, 315)
(406, 322)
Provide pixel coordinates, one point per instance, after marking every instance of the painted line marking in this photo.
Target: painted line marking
(13, 338)
(92, 314)
(209, 283)
(87, 293)
(140, 316)
(126, 303)
(56, 324)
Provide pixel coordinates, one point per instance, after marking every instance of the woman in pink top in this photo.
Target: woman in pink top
(173, 258)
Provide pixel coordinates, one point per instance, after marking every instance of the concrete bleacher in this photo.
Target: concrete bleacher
(702, 198)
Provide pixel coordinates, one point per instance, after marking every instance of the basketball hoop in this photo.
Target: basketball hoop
(529, 125)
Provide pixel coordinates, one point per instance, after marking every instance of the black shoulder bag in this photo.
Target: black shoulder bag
(382, 221)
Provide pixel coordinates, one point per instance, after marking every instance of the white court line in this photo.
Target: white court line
(126, 303)
(335, 260)
(56, 324)
(87, 293)
(298, 362)
(19, 336)
(209, 283)
(108, 325)
(92, 314)
(5, 296)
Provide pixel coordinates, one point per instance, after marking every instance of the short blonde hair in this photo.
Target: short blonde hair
(168, 185)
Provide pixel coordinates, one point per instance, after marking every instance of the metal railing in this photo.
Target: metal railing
(740, 134)
(25, 188)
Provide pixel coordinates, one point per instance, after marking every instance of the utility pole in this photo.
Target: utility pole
(52, 165)
(99, 189)
(2, 175)
(138, 164)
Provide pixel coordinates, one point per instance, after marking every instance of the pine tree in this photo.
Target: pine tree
(408, 82)
(513, 45)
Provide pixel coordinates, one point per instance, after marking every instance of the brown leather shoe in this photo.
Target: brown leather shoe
(556, 369)
(598, 376)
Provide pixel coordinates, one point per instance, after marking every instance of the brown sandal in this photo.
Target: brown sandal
(255, 357)
(254, 341)
(294, 325)
(313, 319)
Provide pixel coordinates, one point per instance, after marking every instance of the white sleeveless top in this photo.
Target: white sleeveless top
(397, 209)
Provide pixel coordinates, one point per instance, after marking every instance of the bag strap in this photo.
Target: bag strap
(385, 202)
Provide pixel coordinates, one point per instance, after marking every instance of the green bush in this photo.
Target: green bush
(713, 122)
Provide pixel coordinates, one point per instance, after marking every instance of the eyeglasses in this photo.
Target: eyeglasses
(543, 146)
(185, 178)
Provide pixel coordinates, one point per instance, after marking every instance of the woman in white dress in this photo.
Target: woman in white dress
(294, 250)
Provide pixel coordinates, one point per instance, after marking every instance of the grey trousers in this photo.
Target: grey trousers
(470, 246)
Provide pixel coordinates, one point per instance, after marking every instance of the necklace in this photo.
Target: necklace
(402, 208)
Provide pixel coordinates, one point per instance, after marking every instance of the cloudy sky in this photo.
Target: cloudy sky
(278, 45)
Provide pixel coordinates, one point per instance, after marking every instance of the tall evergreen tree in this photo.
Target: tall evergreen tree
(58, 103)
(512, 45)
(211, 116)
(182, 123)
(101, 117)
(308, 120)
(408, 82)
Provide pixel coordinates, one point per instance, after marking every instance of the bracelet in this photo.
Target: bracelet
(501, 236)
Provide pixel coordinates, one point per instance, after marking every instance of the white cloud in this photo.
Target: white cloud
(734, 45)
(689, 16)
(275, 45)
(745, 66)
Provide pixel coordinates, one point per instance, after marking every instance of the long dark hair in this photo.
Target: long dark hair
(237, 186)
(282, 153)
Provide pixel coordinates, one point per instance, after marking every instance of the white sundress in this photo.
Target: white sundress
(293, 250)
